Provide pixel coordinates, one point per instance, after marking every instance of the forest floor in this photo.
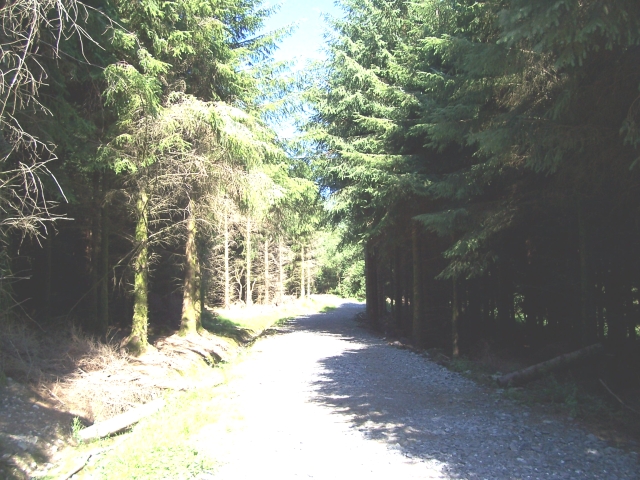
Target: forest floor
(322, 397)
(65, 381)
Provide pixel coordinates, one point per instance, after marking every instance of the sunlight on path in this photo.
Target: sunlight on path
(328, 400)
(276, 428)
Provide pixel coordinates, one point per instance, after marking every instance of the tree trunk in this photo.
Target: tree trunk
(371, 285)
(190, 322)
(308, 274)
(455, 318)
(504, 304)
(616, 331)
(248, 292)
(381, 289)
(280, 273)
(535, 371)
(94, 255)
(631, 314)
(267, 285)
(407, 315)
(587, 310)
(138, 341)
(302, 291)
(600, 316)
(227, 283)
(416, 298)
(48, 275)
(397, 290)
(103, 307)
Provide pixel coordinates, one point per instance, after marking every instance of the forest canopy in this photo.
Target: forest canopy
(486, 156)
(142, 181)
(477, 163)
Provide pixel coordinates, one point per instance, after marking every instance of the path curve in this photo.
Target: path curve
(325, 399)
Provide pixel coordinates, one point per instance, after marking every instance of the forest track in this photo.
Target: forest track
(326, 399)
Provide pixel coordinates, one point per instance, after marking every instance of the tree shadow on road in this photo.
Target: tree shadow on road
(393, 396)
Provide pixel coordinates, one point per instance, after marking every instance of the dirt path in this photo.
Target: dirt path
(325, 399)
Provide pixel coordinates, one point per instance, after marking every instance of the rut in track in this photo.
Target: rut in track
(326, 399)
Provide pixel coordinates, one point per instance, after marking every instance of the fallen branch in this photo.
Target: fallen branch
(618, 398)
(119, 422)
(82, 461)
(77, 467)
(209, 350)
(535, 371)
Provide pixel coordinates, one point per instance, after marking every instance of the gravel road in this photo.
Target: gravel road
(325, 399)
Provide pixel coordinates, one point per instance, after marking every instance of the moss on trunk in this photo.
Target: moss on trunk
(138, 340)
(190, 321)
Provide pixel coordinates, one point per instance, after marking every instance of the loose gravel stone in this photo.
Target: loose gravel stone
(326, 399)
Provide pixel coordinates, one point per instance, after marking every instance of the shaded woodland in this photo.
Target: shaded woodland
(479, 161)
(485, 154)
(140, 180)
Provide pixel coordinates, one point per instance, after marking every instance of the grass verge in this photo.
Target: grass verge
(574, 393)
(258, 318)
(166, 444)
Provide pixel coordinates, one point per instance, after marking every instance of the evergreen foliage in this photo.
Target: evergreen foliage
(156, 145)
(494, 144)
(479, 161)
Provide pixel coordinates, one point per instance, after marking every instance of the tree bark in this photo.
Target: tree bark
(280, 272)
(371, 285)
(227, 283)
(267, 284)
(190, 322)
(587, 310)
(308, 274)
(397, 290)
(103, 306)
(138, 340)
(94, 254)
(504, 304)
(631, 314)
(302, 291)
(248, 292)
(535, 371)
(48, 275)
(455, 318)
(417, 326)
(381, 289)
(616, 328)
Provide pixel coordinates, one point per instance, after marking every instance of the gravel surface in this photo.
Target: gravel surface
(326, 399)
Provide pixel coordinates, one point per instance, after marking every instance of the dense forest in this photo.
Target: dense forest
(141, 181)
(478, 161)
(485, 154)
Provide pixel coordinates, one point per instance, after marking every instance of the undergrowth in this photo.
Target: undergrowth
(257, 318)
(167, 444)
(570, 393)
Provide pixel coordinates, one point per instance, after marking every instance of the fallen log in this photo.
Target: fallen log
(536, 371)
(119, 422)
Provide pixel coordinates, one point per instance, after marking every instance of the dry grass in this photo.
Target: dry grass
(95, 380)
(108, 381)
(103, 384)
(19, 351)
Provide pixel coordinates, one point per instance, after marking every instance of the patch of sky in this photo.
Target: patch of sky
(306, 44)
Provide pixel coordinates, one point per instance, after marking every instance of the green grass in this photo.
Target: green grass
(559, 396)
(169, 443)
(258, 318)
(567, 397)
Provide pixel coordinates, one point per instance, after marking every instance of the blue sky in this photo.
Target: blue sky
(306, 42)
